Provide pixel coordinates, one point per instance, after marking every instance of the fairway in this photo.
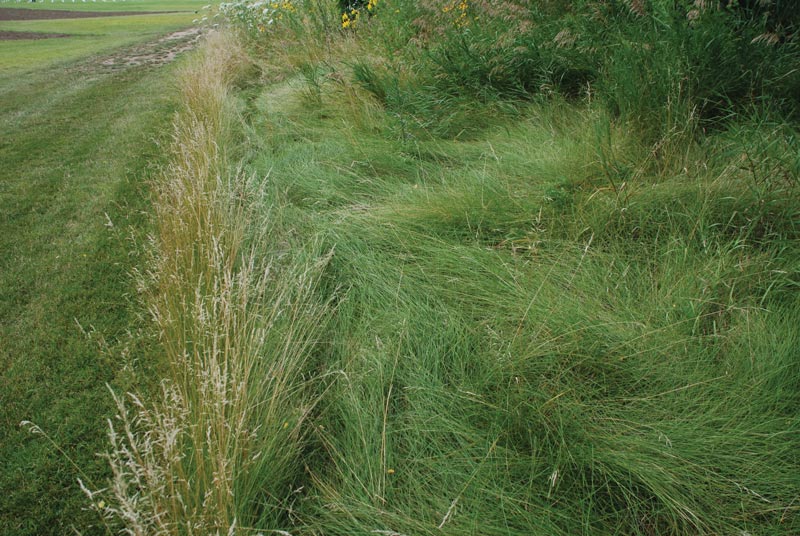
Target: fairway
(80, 117)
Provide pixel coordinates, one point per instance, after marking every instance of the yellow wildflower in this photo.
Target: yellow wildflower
(351, 19)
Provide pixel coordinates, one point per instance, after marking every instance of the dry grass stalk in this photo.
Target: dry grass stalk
(199, 460)
(637, 7)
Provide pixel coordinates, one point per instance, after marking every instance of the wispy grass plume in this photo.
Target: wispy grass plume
(218, 449)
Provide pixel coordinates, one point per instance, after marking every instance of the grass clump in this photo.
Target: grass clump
(219, 448)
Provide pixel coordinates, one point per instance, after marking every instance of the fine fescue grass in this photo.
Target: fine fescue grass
(525, 347)
(221, 446)
(384, 314)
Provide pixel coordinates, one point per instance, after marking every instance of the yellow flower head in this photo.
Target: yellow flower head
(349, 20)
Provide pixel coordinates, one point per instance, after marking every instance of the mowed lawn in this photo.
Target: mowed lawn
(110, 5)
(77, 144)
(89, 36)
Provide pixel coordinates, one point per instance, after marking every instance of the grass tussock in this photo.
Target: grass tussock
(553, 316)
(219, 448)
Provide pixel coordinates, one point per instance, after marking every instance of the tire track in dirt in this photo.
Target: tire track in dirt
(153, 53)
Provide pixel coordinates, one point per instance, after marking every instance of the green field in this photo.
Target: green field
(120, 5)
(88, 36)
(77, 145)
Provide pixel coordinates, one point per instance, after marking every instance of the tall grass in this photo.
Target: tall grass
(538, 334)
(571, 319)
(662, 64)
(218, 451)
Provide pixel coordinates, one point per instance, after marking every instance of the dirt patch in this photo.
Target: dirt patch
(14, 36)
(154, 53)
(13, 13)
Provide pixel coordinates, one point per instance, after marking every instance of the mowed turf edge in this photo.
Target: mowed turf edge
(76, 155)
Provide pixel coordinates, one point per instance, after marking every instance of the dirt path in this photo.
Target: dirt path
(13, 13)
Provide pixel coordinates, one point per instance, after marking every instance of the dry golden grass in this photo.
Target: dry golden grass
(218, 446)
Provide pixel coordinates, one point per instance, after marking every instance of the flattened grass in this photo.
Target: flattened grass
(539, 330)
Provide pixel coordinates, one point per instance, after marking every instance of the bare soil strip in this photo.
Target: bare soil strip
(153, 53)
(12, 13)
(13, 36)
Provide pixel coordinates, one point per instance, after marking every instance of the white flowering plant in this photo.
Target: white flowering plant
(259, 16)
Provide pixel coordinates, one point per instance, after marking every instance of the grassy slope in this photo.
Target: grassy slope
(75, 150)
(518, 350)
(540, 327)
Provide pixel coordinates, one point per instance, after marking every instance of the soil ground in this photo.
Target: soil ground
(152, 53)
(12, 13)
(11, 36)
